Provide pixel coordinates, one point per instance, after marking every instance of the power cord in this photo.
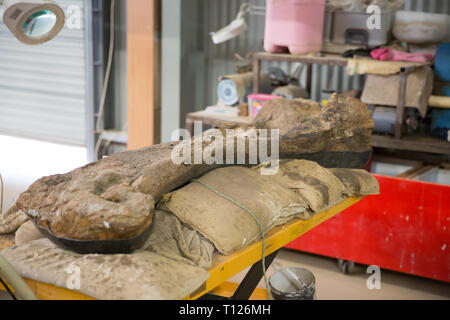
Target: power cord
(110, 141)
(1, 194)
(101, 110)
(1, 211)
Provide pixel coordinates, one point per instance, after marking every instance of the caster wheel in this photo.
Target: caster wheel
(346, 266)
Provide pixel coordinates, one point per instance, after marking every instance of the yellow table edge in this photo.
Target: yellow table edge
(224, 267)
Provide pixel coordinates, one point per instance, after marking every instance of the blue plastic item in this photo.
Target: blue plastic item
(440, 119)
(446, 90)
(442, 62)
(440, 124)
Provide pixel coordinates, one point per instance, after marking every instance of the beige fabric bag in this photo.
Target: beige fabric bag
(357, 182)
(174, 240)
(142, 275)
(171, 264)
(11, 220)
(223, 222)
(26, 233)
(317, 185)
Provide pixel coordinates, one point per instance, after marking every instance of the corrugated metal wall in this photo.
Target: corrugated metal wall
(44, 90)
(219, 58)
(434, 6)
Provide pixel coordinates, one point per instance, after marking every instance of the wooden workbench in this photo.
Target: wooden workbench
(224, 267)
(413, 143)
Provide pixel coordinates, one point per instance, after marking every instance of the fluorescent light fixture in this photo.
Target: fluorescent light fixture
(33, 21)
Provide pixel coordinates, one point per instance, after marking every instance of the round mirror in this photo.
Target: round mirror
(39, 23)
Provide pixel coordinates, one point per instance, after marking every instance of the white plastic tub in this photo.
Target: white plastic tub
(420, 27)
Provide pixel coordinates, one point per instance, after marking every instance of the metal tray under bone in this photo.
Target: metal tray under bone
(123, 246)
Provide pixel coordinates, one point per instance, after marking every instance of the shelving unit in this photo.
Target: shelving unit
(417, 143)
(422, 144)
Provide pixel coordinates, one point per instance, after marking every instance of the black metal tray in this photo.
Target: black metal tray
(125, 246)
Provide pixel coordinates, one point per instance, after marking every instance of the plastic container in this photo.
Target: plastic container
(296, 25)
(256, 101)
(442, 62)
(420, 27)
(442, 67)
(440, 125)
(351, 28)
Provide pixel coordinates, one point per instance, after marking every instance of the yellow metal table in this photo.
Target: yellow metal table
(224, 267)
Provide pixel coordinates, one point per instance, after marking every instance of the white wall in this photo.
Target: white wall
(23, 161)
(170, 68)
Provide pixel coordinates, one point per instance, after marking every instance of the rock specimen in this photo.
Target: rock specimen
(336, 135)
(114, 198)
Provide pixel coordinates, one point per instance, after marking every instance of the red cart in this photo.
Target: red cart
(406, 228)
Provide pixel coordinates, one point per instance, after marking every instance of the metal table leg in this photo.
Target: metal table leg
(248, 284)
(309, 79)
(256, 74)
(401, 101)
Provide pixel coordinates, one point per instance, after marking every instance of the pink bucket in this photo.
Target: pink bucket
(294, 24)
(256, 102)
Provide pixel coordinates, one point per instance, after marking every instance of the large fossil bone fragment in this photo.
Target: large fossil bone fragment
(114, 198)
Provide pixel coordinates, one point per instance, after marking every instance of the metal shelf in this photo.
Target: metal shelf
(417, 143)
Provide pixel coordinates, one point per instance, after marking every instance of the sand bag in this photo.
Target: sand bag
(174, 240)
(223, 222)
(11, 220)
(168, 237)
(357, 182)
(142, 275)
(317, 185)
(26, 233)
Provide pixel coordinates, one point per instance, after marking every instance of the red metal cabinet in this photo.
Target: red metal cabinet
(406, 228)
